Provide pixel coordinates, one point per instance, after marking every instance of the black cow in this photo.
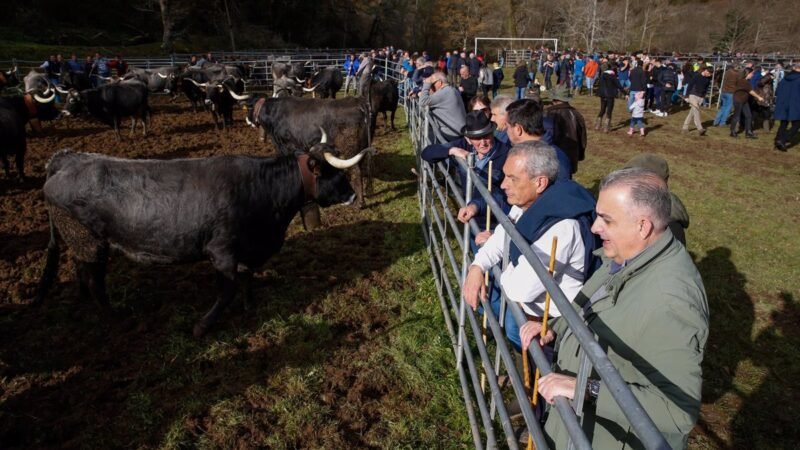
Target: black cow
(111, 102)
(9, 79)
(15, 112)
(293, 125)
(231, 210)
(325, 82)
(160, 79)
(288, 78)
(221, 96)
(384, 97)
(73, 80)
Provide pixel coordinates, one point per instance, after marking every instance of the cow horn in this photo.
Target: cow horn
(161, 75)
(62, 91)
(200, 85)
(311, 89)
(344, 163)
(299, 80)
(45, 100)
(48, 90)
(324, 139)
(237, 96)
(308, 63)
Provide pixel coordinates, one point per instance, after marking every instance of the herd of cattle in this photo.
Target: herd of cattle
(233, 210)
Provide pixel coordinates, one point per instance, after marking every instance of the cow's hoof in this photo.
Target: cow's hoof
(200, 329)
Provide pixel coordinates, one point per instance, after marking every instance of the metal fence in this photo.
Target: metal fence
(260, 62)
(448, 244)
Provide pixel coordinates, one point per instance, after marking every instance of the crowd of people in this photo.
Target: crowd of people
(621, 259)
(98, 67)
(659, 86)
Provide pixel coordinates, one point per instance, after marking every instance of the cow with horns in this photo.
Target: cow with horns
(221, 96)
(231, 210)
(15, 112)
(288, 78)
(111, 102)
(292, 123)
(160, 79)
(325, 82)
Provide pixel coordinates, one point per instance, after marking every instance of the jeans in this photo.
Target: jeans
(520, 93)
(637, 121)
(589, 84)
(577, 81)
(531, 77)
(349, 79)
(724, 109)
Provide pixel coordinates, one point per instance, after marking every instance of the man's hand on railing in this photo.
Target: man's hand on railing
(482, 237)
(531, 330)
(466, 213)
(556, 385)
(458, 153)
(474, 287)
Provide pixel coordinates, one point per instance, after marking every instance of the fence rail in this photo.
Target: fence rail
(448, 244)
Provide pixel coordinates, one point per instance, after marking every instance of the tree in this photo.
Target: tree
(737, 28)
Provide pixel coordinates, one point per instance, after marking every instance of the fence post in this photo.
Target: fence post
(462, 310)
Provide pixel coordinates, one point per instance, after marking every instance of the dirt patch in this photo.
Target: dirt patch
(74, 376)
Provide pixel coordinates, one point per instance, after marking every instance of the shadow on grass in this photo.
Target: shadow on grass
(768, 415)
(85, 378)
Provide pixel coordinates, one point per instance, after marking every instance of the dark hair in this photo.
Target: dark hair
(528, 114)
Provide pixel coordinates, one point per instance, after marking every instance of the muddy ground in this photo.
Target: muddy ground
(73, 377)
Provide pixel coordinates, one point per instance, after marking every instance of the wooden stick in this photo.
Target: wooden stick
(535, 393)
(486, 275)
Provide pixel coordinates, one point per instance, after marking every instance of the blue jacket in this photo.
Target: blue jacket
(497, 155)
(787, 98)
(351, 67)
(563, 200)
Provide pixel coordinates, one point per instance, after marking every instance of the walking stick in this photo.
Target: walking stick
(535, 394)
(486, 276)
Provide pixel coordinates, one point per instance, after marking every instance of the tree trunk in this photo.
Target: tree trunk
(230, 24)
(644, 26)
(168, 24)
(625, 26)
(594, 23)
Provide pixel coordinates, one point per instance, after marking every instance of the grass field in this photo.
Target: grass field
(346, 347)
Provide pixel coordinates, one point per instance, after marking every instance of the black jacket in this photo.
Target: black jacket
(638, 80)
(521, 77)
(608, 86)
(698, 85)
(668, 79)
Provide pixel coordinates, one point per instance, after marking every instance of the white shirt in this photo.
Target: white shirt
(520, 282)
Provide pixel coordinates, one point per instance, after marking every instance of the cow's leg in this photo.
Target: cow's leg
(6, 165)
(82, 271)
(226, 267)
(97, 277)
(227, 283)
(90, 254)
(393, 111)
(116, 127)
(133, 125)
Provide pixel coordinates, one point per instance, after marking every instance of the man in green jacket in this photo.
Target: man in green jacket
(647, 307)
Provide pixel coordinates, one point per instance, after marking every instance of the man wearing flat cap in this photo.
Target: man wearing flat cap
(478, 138)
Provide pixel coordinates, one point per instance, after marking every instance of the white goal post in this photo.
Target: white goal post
(555, 41)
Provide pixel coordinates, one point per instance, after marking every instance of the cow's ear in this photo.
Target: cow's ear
(314, 166)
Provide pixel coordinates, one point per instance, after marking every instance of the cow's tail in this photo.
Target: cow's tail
(50, 267)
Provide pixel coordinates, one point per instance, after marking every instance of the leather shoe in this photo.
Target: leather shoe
(750, 135)
(734, 134)
(780, 146)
